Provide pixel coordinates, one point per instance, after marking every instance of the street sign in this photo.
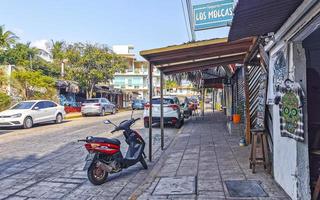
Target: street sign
(213, 15)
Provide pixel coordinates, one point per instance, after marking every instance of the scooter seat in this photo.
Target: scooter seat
(105, 140)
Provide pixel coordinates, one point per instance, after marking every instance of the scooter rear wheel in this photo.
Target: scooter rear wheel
(143, 163)
(96, 175)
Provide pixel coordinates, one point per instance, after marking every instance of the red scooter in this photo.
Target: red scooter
(105, 156)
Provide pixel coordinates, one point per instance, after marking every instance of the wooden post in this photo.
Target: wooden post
(212, 99)
(161, 110)
(246, 92)
(150, 111)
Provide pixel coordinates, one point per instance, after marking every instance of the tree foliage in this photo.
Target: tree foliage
(3, 78)
(7, 38)
(170, 84)
(4, 101)
(34, 85)
(88, 64)
(91, 64)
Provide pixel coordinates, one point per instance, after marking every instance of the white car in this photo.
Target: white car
(172, 113)
(27, 113)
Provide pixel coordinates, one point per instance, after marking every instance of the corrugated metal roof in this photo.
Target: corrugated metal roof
(259, 17)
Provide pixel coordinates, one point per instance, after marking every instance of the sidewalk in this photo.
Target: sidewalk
(201, 161)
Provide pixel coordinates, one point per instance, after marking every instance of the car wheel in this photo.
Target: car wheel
(59, 118)
(114, 111)
(27, 123)
(102, 112)
(84, 115)
(146, 124)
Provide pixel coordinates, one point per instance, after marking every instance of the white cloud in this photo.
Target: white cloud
(43, 44)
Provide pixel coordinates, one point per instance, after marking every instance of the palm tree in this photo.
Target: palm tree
(7, 38)
(57, 50)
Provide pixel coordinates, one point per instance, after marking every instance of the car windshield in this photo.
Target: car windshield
(91, 101)
(23, 105)
(165, 101)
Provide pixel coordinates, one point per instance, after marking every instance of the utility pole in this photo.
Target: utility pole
(191, 20)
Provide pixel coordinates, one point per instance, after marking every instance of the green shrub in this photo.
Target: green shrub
(4, 101)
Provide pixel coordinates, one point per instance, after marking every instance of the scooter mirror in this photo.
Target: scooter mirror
(107, 122)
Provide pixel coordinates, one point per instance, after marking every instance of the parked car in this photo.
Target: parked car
(97, 106)
(172, 113)
(27, 113)
(138, 104)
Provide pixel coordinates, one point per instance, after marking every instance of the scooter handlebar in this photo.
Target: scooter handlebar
(137, 119)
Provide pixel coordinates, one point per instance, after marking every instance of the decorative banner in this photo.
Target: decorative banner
(261, 102)
(280, 70)
(291, 110)
(213, 15)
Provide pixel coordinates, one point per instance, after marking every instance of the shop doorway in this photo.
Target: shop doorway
(312, 48)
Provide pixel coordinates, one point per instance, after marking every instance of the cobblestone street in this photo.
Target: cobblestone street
(46, 162)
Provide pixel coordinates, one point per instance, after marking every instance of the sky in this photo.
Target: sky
(145, 24)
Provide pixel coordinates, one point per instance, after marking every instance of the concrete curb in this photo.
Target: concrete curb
(79, 115)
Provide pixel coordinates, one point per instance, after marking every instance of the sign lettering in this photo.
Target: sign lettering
(213, 15)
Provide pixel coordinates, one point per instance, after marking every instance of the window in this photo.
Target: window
(165, 101)
(119, 81)
(129, 82)
(23, 105)
(50, 104)
(41, 105)
(91, 101)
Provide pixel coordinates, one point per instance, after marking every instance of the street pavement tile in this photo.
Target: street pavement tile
(179, 185)
(182, 197)
(211, 194)
(16, 198)
(210, 185)
(205, 197)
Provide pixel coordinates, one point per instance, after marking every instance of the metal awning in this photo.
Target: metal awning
(260, 17)
(198, 55)
(193, 56)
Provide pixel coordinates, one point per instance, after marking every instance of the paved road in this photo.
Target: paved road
(46, 161)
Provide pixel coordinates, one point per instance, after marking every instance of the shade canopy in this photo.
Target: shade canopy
(260, 17)
(199, 55)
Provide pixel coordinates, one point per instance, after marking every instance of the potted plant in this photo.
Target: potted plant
(236, 117)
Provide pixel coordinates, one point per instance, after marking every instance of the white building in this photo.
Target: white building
(44, 49)
(134, 81)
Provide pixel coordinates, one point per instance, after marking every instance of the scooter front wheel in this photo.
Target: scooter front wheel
(143, 163)
(96, 174)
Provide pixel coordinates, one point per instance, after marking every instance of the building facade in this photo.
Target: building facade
(290, 50)
(134, 80)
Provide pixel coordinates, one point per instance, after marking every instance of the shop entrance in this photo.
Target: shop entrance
(312, 48)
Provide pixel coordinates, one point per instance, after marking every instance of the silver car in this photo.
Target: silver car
(97, 106)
